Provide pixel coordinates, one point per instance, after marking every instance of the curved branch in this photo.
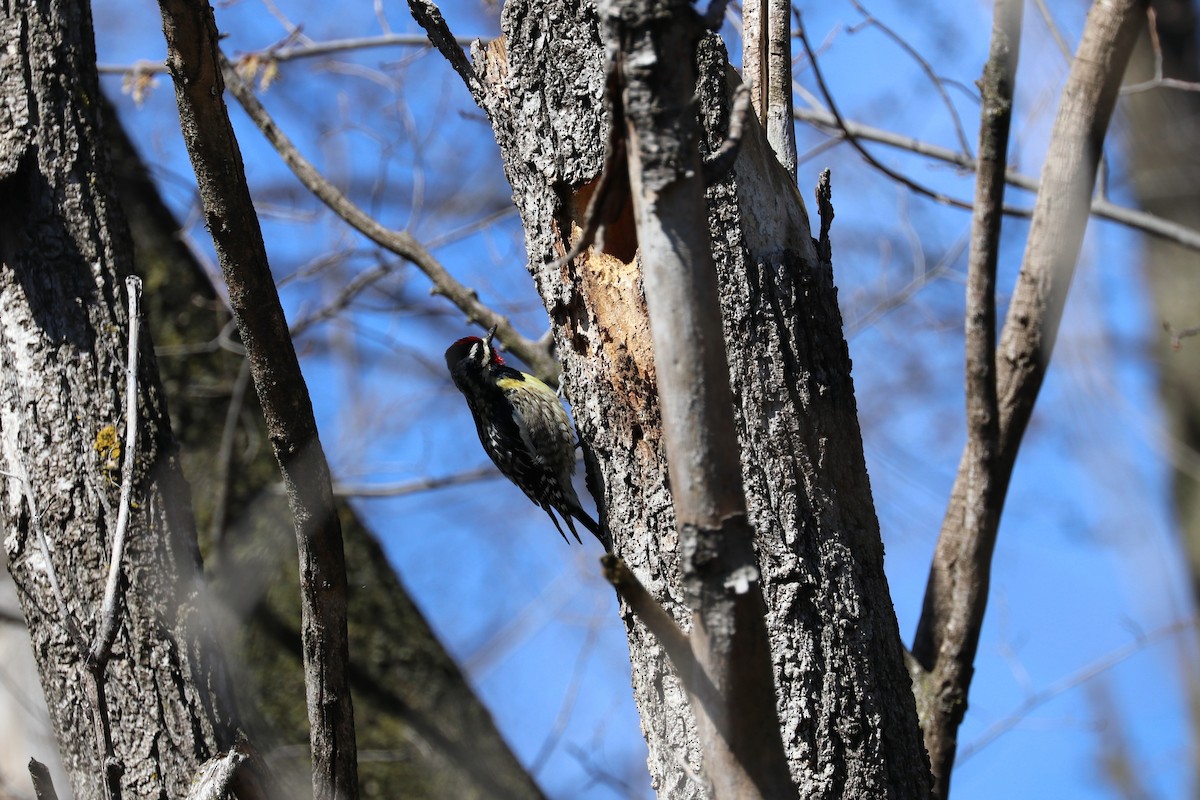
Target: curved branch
(401, 243)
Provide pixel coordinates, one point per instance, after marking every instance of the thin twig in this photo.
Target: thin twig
(69, 622)
(896, 299)
(415, 486)
(1060, 687)
(1059, 40)
(223, 468)
(1177, 337)
(401, 243)
(359, 284)
(107, 628)
(853, 140)
(926, 67)
(568, 704)
(1104, 209)
(1158, 81)
(292, 52)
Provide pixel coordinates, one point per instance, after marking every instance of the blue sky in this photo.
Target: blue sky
(1085, 565)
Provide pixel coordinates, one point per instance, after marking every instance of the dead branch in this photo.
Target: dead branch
(43, 783)
(767, 70)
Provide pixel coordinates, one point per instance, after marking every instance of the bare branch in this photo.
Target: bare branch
(1104, 209)
(401, 243)
(853, 140)
(1060, 687)
(643, 605)
(1059, 40)
(197, 70)
(288, 51)
(938, 84)
(956, 594)
(1177, 337)
(415, 486)
(1158, 81)
(952, 671)
(107, 628)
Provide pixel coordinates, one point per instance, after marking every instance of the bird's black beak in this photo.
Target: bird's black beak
(491, 332)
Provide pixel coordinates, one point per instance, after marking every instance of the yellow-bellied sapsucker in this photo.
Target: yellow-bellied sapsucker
(523, 428)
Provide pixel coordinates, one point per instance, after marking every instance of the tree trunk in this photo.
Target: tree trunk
(845, 698)
(64, 250)
(411, 700)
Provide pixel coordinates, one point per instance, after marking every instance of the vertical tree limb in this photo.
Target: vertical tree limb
(194, 64)
(767, 70)
(956, 596)
(739, 732)
(106, 628)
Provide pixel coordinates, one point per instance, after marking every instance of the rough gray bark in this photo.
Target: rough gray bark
(845, 699)
(649, 92)
(63, 252)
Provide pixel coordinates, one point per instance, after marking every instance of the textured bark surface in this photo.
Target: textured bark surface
(846, 704)
(64, 250)
(411, 700)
